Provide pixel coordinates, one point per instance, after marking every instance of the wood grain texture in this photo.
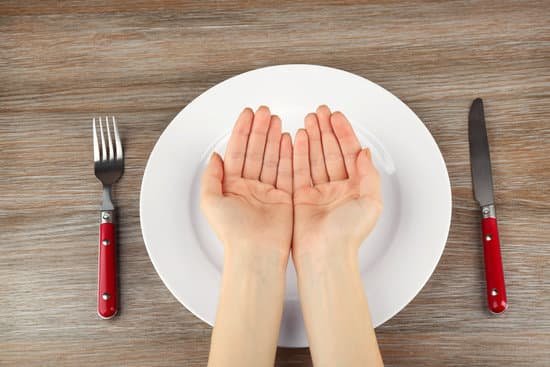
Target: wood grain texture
(63, 61)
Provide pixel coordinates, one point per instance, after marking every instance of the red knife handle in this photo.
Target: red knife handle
(107, 303)
(494, 274)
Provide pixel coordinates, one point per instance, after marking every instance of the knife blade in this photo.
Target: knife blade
(482, 182)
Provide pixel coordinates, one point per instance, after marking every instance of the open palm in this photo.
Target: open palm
(247, 197)
(336, 187)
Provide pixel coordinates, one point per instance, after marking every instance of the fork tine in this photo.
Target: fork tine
(118, 143)
(96, 143)
(111, 151)
(103, 148)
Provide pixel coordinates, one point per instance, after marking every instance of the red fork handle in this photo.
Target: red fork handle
(107, 303)
(494, 274)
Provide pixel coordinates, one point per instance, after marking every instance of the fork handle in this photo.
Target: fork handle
(107, 302)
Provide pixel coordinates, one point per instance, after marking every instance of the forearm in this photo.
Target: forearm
(249, 310)
(336, 312)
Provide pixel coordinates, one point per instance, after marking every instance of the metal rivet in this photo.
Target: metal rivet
(105, 242)
(106, 216)
(485, 210)
(105, 296)
(488, 237)
(494, 292)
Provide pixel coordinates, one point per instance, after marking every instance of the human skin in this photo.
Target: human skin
(337, 201)
(247, 199)
(257, 212)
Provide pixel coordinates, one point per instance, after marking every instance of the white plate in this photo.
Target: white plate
(396, 260)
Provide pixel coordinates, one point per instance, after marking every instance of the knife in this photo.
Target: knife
(482, 180)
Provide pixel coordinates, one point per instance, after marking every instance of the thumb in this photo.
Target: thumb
(211, 185)
(369, 179)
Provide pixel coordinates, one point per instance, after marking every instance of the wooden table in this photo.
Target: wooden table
(61, 62)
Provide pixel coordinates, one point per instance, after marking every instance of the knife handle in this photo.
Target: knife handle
(107, 303)
(494, 274)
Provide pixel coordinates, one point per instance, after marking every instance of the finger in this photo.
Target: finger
(319, 173)
(302, 173)
(369, 178)
(256, 144)
(212, 178)
(284, 170)
(268, 174)
(334, 161)
(236, 147)
(349, 144)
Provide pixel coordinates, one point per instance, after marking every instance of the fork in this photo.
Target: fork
(108, 167)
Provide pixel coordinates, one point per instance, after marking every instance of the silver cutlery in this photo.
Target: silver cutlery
(108, 167)
(482, 180)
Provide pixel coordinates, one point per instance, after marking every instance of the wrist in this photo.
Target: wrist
(312, 268)
(256, 258)
(321, 252)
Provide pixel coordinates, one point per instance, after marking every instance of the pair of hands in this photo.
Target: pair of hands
(319, 198)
